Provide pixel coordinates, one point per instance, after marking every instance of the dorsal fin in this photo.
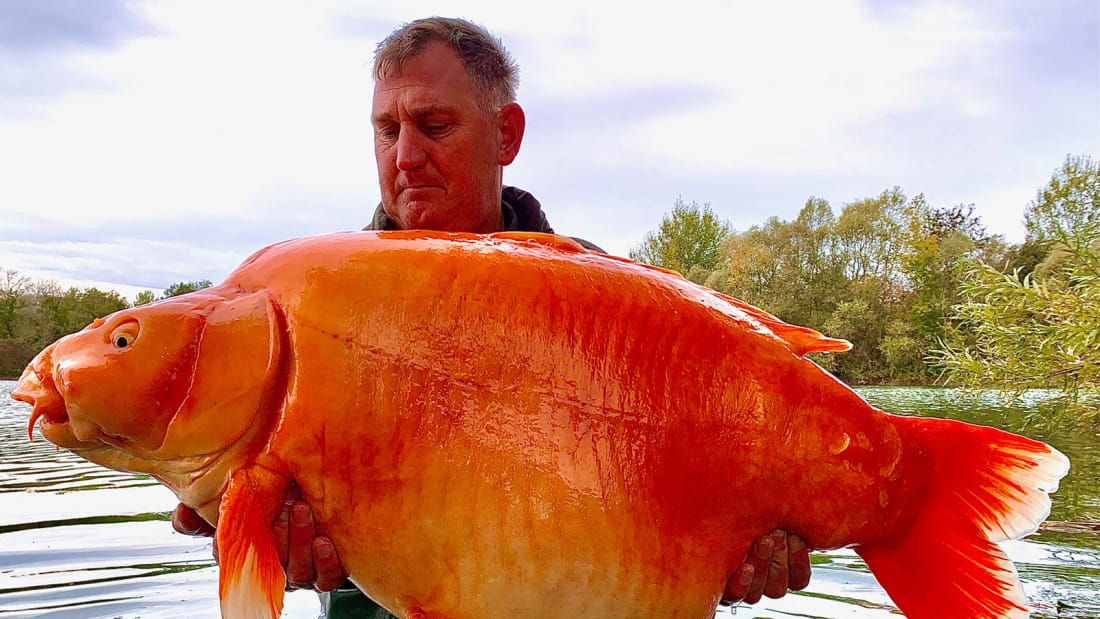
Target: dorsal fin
(800, 340)
(562, 243)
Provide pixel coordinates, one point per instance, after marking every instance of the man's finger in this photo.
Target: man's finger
(737, 587)
(280, 533)
(330, 574)
(187, 521)
(293, 493)
(799, 563)
(299, 567)
(759, 557)
(776, 586)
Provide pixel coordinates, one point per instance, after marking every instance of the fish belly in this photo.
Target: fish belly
(556, 439)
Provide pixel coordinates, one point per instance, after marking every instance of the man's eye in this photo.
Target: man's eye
(436, 128)
(386, 132)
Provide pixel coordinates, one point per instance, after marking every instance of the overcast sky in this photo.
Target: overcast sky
(144, 143)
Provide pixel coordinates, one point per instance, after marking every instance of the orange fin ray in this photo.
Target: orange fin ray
(800, 340)
(251, 578)
(985, 486)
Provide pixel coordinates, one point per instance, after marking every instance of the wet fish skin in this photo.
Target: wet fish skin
(509, 425)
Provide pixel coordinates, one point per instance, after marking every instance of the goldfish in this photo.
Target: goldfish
(508, 425)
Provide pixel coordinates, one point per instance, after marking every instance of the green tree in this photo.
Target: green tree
(791, 269)
(942, 242)
(1019, 332)
(44, 313)
(14, 290)
(179, 288)
(144, 297)
(690, 236)
(871, 235)
(15, 297)
(1023, 258)
(74, 310)
(1068, 204)
(754, 264)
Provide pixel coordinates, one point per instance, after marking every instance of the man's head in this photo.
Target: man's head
(445, 123)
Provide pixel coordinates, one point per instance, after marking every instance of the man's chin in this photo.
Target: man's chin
(424, 214)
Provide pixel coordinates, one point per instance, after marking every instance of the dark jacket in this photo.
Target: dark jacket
(519, 212)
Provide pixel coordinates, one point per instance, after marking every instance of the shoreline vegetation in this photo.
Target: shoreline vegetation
(926, 296)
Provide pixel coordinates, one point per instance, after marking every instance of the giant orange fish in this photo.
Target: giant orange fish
(510, 426)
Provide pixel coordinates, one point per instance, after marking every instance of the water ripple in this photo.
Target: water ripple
(78, 540)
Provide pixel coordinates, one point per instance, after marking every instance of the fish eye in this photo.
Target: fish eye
(125, 334)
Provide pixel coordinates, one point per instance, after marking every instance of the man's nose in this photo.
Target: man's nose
(410, 150)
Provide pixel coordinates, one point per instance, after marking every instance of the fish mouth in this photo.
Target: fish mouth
(36, 388)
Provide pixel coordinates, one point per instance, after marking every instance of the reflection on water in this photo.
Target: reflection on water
(1078, 496)
(78, 540)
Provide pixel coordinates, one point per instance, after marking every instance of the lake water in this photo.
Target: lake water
(77, 540)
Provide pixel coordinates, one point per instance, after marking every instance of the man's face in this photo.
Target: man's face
(438, 152)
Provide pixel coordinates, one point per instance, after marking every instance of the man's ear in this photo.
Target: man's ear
(512, 121)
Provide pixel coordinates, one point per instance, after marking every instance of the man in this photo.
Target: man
(445, 125)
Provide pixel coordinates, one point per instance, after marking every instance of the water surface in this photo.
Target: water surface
(78, 540)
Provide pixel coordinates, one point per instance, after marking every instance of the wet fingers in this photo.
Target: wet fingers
(299, 567)
(737, 587)
(187, 521)
(799, 564)
(776, 586)
(760, 559)
(330, 574)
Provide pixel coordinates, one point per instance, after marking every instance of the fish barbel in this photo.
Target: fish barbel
(510, 426)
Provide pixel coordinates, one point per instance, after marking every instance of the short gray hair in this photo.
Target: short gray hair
(494, 72)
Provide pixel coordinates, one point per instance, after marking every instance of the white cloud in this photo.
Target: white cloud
(259, 111)
(792, 84)
(201, 121)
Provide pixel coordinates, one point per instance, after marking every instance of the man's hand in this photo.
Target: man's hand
(185, 520)
(309, 560)
(776, 562)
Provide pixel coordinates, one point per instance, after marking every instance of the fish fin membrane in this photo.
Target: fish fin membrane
(800, 340)
(983, 486)
(251, 579)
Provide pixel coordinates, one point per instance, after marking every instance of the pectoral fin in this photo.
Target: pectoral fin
(251, 579)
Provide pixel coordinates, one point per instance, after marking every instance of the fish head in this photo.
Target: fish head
(178, 379)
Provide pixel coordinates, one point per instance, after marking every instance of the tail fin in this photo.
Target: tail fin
(984, 486)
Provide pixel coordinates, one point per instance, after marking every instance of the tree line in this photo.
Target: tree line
(884, 273)
(33, 314)
(923, 292)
